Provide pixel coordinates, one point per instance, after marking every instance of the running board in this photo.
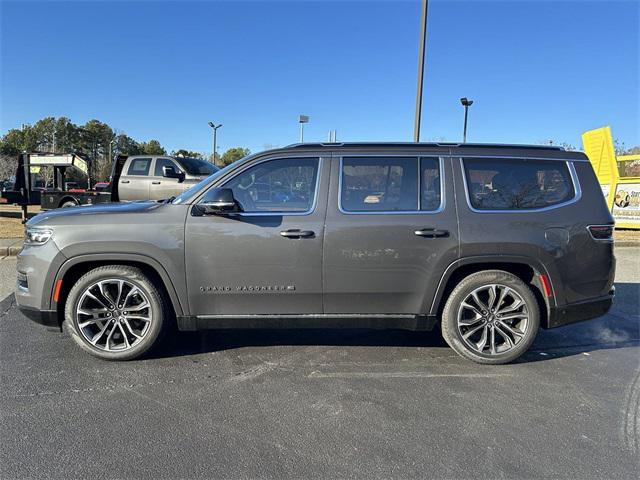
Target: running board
(328, 321)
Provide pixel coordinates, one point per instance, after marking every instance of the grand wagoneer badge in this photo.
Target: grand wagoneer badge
(247, 288)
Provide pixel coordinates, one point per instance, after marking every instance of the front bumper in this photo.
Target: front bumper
(43, 317)
(36, 270)
(577, 312)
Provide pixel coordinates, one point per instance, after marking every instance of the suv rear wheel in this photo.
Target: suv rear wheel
(115, 313)
(491, 317)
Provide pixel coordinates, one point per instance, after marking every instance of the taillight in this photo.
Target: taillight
(601, 232)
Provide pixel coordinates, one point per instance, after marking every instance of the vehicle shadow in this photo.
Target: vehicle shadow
(618, 329)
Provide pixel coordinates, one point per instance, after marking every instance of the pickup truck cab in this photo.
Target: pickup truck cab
(149, 177)
(488, 242)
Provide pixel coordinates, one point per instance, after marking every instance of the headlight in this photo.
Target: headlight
(37, 236)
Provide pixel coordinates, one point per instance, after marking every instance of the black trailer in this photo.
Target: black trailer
(25, 192)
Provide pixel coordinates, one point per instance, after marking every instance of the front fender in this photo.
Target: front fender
(177, 295)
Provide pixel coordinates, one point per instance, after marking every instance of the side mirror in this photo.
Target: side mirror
(170, 172)
(219, 201)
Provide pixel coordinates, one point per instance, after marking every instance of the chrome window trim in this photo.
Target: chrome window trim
(396, 212)
(275, 213)
(577, 191)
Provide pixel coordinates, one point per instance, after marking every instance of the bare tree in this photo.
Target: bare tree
(46, 174)
(8, 165)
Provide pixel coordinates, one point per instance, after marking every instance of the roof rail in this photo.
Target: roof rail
(422, 144)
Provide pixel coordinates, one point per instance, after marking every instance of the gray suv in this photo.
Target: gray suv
(490, 242)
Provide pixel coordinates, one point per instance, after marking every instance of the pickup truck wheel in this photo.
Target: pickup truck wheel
(491, 317)
(115, 313)
(69, 203)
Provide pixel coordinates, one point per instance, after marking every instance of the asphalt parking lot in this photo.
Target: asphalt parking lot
(295, 404)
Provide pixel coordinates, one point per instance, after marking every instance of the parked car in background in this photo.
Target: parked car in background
(146, 177)
(101, 186)
(490, 242)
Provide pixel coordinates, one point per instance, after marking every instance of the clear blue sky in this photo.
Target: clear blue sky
(159, 69)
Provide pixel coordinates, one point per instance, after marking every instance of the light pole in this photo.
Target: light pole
(466, 103)
(215, 135)
(302, 119)
(421, 50)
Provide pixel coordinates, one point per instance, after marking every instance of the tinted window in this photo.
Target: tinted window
(429, 184)
(496, 184)
(387, 184)
(139, 166)
(286, 185)
(164, 162)
(196, 166)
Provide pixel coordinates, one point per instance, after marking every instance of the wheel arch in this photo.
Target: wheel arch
(75, 267)
(63, 200)
(525, 268)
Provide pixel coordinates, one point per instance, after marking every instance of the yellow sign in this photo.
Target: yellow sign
(622, 193)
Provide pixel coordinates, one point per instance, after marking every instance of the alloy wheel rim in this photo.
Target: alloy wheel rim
(114, 315)
(493, 319)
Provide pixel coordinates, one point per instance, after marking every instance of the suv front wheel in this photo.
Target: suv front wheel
(491, 317)
(115, 313)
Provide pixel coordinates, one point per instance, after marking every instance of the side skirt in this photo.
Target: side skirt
(328, 321)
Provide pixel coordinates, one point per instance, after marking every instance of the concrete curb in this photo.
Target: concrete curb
(627, 243)
(9, 247)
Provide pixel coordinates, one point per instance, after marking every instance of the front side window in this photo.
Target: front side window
(139, 166)
(164, 162)
(196, 166)
(517, 184)
(390, 184)
(283, 185)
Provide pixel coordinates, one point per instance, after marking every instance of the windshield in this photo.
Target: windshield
(188, 193)
(196, 166)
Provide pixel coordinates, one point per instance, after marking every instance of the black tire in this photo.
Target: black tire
(134, 276)
(453, 335)
(69, 203)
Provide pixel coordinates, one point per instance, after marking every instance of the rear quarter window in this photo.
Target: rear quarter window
(517, 184)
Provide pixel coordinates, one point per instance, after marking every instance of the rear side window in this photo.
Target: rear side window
(139, 166)
(390, 184)
(517, 184)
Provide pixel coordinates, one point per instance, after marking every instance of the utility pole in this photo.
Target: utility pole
(466, 103)
(111, 151)
(215, 128)
(421, 55)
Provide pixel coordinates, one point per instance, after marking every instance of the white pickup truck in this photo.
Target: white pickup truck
(150, 177)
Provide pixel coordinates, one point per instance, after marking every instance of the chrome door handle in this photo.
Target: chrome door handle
(431, 233)
(155, 183)
(297, 233)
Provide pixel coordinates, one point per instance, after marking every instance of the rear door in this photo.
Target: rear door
(161, 186)
(134, 181)
(391, 232)
(267, 260)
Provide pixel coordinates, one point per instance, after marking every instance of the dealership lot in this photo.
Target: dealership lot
(291, 404)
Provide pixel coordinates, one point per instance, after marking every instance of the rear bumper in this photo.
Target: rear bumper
(43, 317)
(577, 312)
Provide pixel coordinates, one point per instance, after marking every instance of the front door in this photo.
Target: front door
(391, 233)
(161, 186)
(268, 259)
